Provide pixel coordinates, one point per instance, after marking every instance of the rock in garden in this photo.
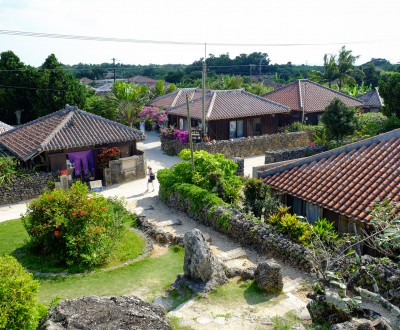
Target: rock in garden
(105, 313)
(202, 270)
(268, 276)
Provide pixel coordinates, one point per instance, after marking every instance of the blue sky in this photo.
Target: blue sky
(368, 28)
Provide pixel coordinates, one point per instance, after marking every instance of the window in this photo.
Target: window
(236, 129)
(257, 126)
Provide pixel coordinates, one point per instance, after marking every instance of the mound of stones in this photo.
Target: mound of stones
(106, 313)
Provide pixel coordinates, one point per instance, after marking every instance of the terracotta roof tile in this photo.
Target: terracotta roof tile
(175, 98)
(65, 129)
(228, 104)
(310, 95)
(347, 180)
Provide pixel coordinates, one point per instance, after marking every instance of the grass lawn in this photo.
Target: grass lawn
(12, 236)
(148, 277)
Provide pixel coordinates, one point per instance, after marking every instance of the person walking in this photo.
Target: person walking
(151, 178)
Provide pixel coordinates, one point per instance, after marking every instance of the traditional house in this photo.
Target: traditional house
(307, 100)
(228, 114)
(175, 98)
(372, 101)
(72, 138)
(142, 80)
(343, 184)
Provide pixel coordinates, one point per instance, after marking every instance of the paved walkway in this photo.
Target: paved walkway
(134, 190)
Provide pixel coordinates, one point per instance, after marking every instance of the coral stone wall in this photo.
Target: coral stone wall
(23, 188)
(275, 156)
(242, 147)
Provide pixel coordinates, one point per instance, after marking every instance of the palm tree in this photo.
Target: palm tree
(346, 70)
(330, 71)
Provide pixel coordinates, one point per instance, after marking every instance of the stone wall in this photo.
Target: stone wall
(242, 147)
(259, 236)
(127, 169)
(24, 188)
(274, 156)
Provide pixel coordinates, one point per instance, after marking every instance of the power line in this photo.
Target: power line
(166, 42)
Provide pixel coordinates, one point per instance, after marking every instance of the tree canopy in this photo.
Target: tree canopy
(389, 89)
(339, 119)
(35, 92)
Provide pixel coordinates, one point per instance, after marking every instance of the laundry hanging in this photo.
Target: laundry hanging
(82, 161)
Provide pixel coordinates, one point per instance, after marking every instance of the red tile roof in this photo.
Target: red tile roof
(65, 129)
(142, 80)
(176, 98)
(310, 95)
(347, 180)
(228, 104)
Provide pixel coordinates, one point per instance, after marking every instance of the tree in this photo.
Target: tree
(159, 89)
(171, 88)
(17, 88)
(389, 89)
(345, 68)
(339, 119)
(330, 71)
(129, 100)
(56, 88)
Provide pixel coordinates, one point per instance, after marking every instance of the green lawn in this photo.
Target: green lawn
(12, 236)
(148, 277)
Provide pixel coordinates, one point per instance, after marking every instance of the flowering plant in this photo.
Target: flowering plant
(181, 136)
(153, 114)
(64, 172)
(72, 227)
(107, 154)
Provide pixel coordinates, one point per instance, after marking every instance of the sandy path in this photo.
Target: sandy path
(239, 314)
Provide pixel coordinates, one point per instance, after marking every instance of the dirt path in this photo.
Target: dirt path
(237, 312)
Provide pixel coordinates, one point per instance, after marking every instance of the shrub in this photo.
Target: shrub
(391, 123)
(105, 155)
(181, 136)
(325, 231)
(19, 308)
(291, 225)
(371, 123)
(258, 199)
(8, 170)
(153, 115)
(213, 172)
(74, 228)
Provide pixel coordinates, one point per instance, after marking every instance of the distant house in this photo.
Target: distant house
(372, 101)
(142, 80)
(308, 99)
(104, 89)
(85, 80)
(4, 127)
(342, 184)
(109, 75)
(175, 98)
(229, 114)
(69, 134)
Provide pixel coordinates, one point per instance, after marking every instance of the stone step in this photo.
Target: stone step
(166, 223)
(233, 254)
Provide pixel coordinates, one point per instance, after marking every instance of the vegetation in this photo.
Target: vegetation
(74, 229)
(8, 170)
(258, 199)
(389, 89)
(213, 172)
(19, 308)
(339, 119)
(370, 124)
(35, 92)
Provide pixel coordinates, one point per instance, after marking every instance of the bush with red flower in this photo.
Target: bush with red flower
(76, 228)
(105, 155)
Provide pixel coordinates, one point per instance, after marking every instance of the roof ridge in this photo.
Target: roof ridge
(177, 96)
(266, 100)
(211, 106)
(334, 152)
(57, 129)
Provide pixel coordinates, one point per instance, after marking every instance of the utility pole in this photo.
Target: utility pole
(203, 101)
(113, 59)
(190, 132)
